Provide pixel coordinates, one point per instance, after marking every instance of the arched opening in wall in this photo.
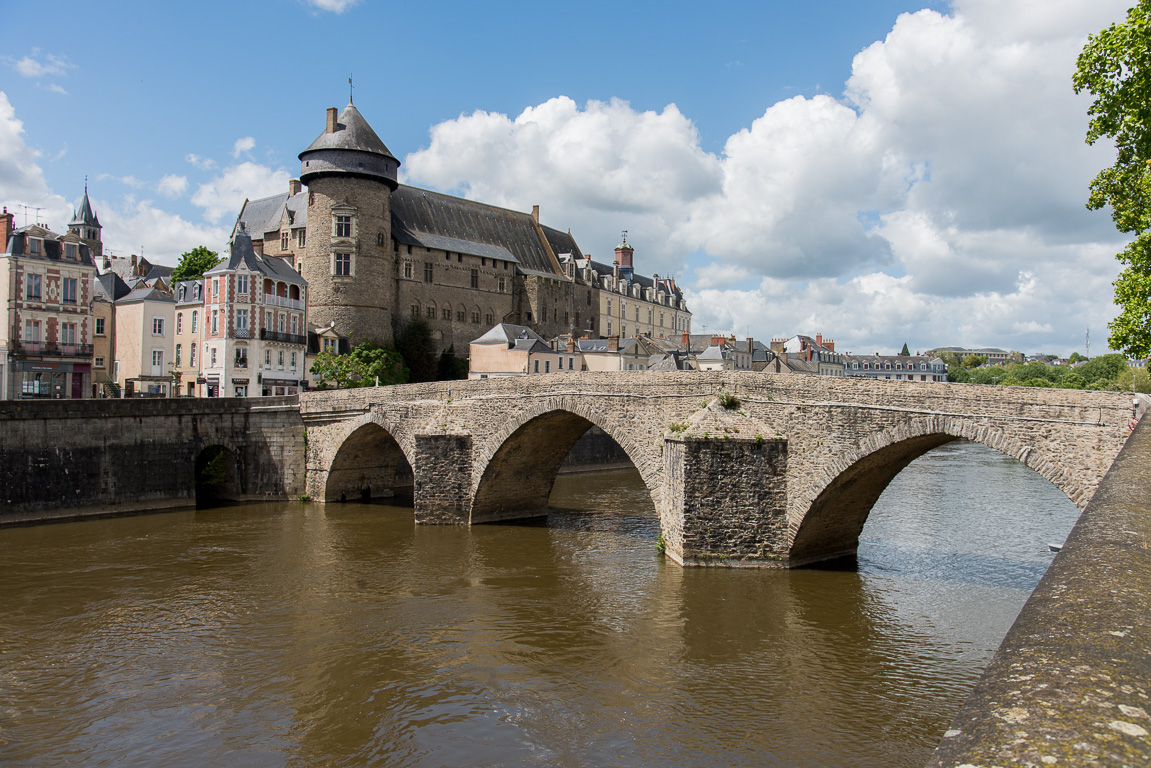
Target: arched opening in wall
(370, 466)
(940, 496)
(559, 466)
(217, 477)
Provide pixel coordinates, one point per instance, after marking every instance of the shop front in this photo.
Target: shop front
(272, 387)
(49, 379)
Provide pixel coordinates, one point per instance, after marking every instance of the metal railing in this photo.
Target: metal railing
(285, 338)
(270, 299)
(20, 347)
(241, 333)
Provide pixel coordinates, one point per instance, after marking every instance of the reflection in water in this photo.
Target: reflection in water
(289, 634)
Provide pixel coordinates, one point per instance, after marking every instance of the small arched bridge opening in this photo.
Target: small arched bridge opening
(369, 465)
(217, 476)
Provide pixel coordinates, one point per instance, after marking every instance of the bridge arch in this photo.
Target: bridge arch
(217, 475)
(517, 466)
(367, 462)
(834, 510)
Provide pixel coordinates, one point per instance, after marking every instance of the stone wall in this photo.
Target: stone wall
(1071, 683)
(77, 458)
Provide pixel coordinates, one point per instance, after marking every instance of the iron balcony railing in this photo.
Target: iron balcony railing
(270, 299)
(241, 333)
(55, 349)
(285, 338)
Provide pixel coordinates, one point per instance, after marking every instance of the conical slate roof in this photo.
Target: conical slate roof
(84, 214)
(352, 132)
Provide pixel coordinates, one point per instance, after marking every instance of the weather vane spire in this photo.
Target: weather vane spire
(350, 87)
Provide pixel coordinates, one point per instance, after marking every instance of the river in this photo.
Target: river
(296, 634)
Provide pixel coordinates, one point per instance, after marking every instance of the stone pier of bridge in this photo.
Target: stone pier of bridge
(744, 469)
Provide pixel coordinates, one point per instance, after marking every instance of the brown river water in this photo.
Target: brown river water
(293, 634)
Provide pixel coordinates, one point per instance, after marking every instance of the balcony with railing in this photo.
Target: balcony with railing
(241, 333)
(49, 348)
(283, 338)
(272, 300)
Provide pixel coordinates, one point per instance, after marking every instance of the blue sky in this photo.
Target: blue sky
(879, 172)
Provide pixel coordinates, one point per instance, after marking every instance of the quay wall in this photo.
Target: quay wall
(77, 458)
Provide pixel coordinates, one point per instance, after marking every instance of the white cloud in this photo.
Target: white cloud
(906, 210)
(172, 185)
(35, 66)
(22, 183)
(203, 163)
(57, 89)
(243, 146)
(137, 226)
(335, 6)
(223, 195)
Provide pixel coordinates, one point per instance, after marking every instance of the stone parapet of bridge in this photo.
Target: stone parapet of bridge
(744, 469)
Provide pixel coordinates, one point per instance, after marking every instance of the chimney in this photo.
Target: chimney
(686, 341)
(819, 339)
(536, 214)
(133, 261)
(613, 343)
(777, 345)
(718, 341)
(331, 126)
(5, 228)
(830, 344)
(294, 187)
(750, 345)
(571, 344)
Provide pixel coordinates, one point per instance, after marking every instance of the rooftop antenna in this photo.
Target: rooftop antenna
(350, 87)
(36, 218)
(1088, 339)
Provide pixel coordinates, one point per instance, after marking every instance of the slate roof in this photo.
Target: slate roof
(190, 294)
(419, 213)
(510, 335)
(53, 246)
(147, 293)
(109, 287)
(352, 132)
(263, 215)
(84, 214)
(242, 254)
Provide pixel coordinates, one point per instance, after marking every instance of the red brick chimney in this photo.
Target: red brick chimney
(571, 344)
(718, 341)
(613, 343)
(5, 228)
(819, 339)
(331, 124)
(830, 344)
(777, 345)
(686, 341)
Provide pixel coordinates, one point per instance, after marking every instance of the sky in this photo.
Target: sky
(882, 173)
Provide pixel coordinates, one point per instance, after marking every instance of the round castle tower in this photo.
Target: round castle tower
(348, 262)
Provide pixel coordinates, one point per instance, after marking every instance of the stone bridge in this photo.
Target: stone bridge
(744, 469)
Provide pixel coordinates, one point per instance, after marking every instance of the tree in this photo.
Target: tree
(1075, 358)
(414, 343)
(905, 352)
(450, 367)
(974, 361)
(367, 364)
(195, 263)
(1115, 67)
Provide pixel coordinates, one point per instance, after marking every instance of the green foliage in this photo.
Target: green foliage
(974, 361)
(958, 374)
(905, 352)
(1076, 358)
(660, 544)
(367, 361)
(415, 345)
(1115, 68)
(1135, 380)
(678, 427)
(950, 360)
(728, 400)
(194, 263)
(450, 367)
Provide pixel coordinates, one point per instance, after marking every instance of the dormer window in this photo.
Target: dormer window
(33, 246)
(70, 251)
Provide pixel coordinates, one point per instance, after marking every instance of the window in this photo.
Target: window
(427, 273)
(241, 320)
(637, 314)
(408, 269)
(241, 285)
(70, 251)
(179, 354)
(547, 366)
(192, 356)
(68, 287)
(32, 330)
(34, 247)
(267, 358)
(537, 370)
(280, 360)
(98, 362)
(475, 278)
(282, 325)
(430, 312)
(68, 333)
(295, 329)
(215, 322)
(609, 327)
(99, 326)
(33, 286)
(446, 313)
(343, 226)
(213, 357)
(502, 284)
(215, 287)
(415, 310)
(330, 346)
(157, 326)
(609, 306)
(195, 316)
(293, 361)
(241, 357)
(343, 265)
(300, 238)
(157, 358)
(461, 315)
(284, 240)
(476, 318)
(268, 321)
(489, 319)
(179, 323)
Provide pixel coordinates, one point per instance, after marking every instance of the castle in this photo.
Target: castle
(377, 253)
